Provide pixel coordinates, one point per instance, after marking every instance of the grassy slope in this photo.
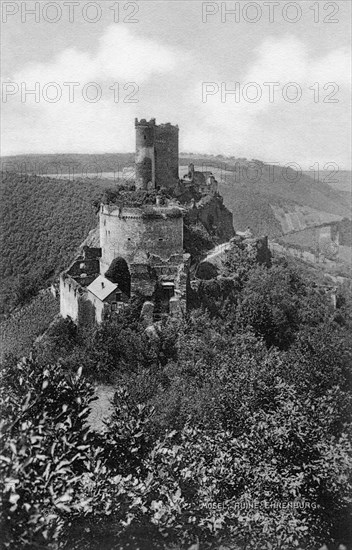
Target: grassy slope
(340, 181)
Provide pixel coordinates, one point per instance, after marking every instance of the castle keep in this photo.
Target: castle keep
(156, 155)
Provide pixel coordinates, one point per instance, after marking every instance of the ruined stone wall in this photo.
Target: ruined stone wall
(344, 231)
(98, 306)
(214, 216)
(166, 156)
(143, 280)
(88, 267)
(81, 305)
(69, 296)
(75, 302)
(262, 247)
(299, 253)
(87, 312)
(131, 234)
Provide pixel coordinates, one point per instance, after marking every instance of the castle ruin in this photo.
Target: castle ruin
(141, 247)
(141, 250)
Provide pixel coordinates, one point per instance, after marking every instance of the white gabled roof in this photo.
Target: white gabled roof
(102, 287)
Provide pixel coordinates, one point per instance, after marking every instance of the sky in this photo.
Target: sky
(263, 80)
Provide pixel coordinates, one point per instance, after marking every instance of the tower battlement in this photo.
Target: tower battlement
(144, 122)
(152, 122)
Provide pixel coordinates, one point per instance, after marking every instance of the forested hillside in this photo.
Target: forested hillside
(43, 221)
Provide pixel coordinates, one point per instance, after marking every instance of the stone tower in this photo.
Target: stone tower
(156, 155)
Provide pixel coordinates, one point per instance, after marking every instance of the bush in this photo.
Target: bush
(44, 450)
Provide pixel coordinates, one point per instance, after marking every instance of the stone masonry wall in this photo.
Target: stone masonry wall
(126, 233)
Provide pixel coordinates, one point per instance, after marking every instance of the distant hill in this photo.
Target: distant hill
(339, 181)
(79, 165)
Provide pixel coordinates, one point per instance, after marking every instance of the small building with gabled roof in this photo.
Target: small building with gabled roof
(105, 296)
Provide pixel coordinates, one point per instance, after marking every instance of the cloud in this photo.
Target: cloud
(170, 89)
(82, 126)
(280, 129)
(120, 55)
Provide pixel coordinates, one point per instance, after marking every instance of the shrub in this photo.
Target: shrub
(44, 450)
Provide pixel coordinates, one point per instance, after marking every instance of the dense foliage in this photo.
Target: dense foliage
(128, 196)
(230, 426)
(44, 451)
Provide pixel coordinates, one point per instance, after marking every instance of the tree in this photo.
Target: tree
(276, 302)
(118, 273)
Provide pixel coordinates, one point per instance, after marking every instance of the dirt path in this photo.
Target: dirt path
(101, 408)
